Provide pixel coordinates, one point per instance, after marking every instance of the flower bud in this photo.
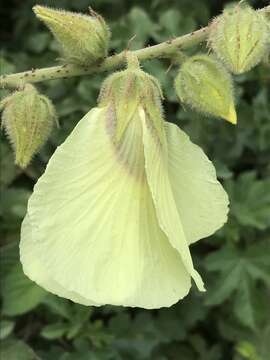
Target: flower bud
(27, 118)
(84, 39)
(128, 90)
(240, 38)
(204, 84)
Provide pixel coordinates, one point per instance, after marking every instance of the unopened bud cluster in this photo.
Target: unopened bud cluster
(240, 37)
(84, 39)
(27, 118)
(205, 85)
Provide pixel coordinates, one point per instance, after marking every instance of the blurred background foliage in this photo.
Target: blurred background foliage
(230, 321)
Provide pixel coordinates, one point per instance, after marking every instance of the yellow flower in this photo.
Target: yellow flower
(111, 219)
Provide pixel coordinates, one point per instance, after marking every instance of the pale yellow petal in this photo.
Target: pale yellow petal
(156, 162)
(200, 199)
(36, 271)
(94, 222)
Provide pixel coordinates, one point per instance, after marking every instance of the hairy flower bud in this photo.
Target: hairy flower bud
(126, 91)
(84, 39)
(27, 118)
(240, 38)
(204, 84)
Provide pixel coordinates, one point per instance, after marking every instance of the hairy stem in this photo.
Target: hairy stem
(163, 50)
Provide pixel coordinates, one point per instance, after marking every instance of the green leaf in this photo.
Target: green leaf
(38, 42)
(138, 24)
(173, 23)
(8, 169)
(19, 294)
(250, 200)
(142, 26)
(6, 67)
(9, 256)
(6, 327)
(244, 305)
(58, 306)
(17, 350)
(238, 272)
(54, 331)
(223, 172)
(204, 352)
(13, 204)
(263, 343)
(247, 350)
(79, 318)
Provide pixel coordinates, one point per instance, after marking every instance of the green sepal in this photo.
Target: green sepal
(240, 37)
(28, 118)
(206, 86)
(125, 91)
(84, 38)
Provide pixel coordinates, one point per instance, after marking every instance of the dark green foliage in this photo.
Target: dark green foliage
(231, 321)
